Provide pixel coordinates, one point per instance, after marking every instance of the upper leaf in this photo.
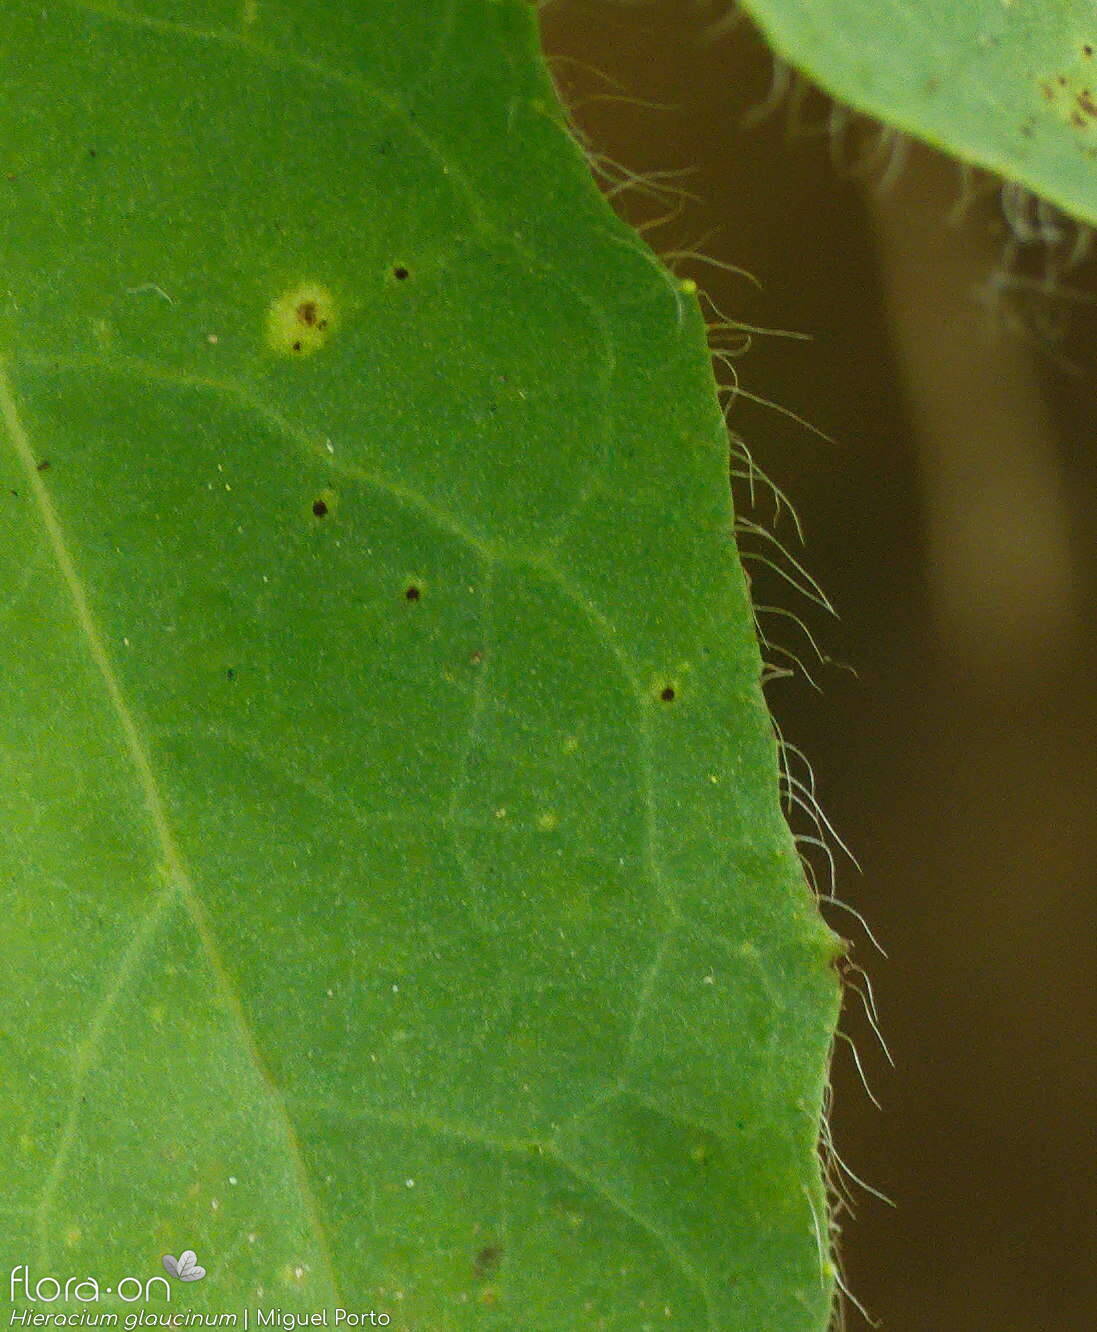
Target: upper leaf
(1002, 84)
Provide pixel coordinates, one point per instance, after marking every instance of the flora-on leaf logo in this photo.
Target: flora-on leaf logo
(185, 1267)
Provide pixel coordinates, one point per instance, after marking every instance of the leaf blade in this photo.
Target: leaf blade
(392, 867)
(1005, 87)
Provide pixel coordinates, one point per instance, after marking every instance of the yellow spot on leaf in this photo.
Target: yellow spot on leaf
(300, 321)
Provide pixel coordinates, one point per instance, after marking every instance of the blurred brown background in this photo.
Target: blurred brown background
(952, 523)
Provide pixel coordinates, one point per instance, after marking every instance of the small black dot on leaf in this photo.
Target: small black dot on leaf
(230, 674)
(320, 508)
(668, 694)
(400, 273)
(43, 466)
(412, 593)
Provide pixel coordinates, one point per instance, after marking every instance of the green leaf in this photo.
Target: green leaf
(1003, 84)
(398, 908)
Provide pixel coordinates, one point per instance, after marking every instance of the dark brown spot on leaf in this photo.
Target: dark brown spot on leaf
(487, 1260)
